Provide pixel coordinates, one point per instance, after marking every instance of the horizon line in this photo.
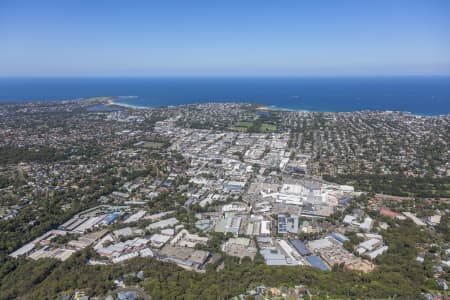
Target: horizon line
(155, 76)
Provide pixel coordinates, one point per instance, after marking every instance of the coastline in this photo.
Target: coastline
(277, 108)
(417, 95)
(268, 108)
(111, 102)
(265, 108)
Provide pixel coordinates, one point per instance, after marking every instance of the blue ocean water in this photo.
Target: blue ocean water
(419, 95)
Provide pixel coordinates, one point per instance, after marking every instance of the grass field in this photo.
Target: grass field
(268, 127)
(246, 126)
(240, 129)
(153, 145)
(242, 126)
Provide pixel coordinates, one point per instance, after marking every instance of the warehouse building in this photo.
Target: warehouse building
(300, 247)
(316, 262)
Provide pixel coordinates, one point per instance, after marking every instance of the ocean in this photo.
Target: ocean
(418, 95)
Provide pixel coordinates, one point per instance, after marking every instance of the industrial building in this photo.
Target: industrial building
(316, 262)
(300, 247)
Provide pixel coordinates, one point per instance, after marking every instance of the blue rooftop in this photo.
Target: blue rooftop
(282, 226)
(339, 237)
(300, 247)
(316, 262)
(111, 217)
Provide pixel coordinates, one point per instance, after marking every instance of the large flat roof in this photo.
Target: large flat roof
(316, 262)
(300, 247)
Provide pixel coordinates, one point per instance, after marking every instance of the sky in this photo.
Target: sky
(224, 38)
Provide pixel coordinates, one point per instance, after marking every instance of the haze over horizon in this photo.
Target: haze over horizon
(233, 38)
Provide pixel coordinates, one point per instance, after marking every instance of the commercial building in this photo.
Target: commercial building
(135, 217)
(163, 224)
(282, 224)
(158, 240)
(339, 237)
(300, 247)
(316, 262)
(274, 257)
(372, 255)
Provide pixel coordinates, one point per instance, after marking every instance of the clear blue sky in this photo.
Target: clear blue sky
(242, 37)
